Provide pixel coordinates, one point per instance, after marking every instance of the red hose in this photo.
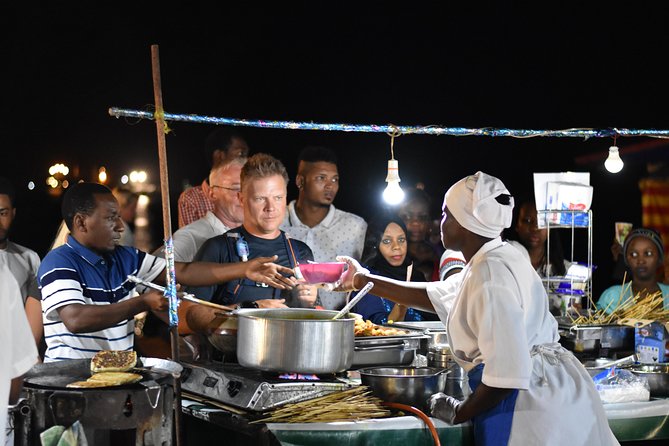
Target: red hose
(420, 415)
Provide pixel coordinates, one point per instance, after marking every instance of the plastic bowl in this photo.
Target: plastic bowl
(325, 272)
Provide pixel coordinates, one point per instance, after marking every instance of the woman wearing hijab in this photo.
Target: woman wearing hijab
(643, 253)
(526, 388)
(385, 254)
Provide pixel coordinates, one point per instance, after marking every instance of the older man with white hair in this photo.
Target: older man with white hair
(228, 213)
(500, 331)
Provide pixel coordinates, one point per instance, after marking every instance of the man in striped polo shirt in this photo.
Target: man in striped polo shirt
(87, 300)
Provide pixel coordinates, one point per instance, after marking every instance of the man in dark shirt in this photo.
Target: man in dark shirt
(264, 185)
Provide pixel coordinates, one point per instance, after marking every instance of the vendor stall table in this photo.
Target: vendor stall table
(629, 422)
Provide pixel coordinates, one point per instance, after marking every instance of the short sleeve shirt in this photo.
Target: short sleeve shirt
(23, 264)
(73, 274)
(340, 233)
(192, 205)
(500, 313)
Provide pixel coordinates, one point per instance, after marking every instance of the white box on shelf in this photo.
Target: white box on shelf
(565, 191)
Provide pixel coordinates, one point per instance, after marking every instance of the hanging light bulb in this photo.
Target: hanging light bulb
(393, 193)
(613, 163)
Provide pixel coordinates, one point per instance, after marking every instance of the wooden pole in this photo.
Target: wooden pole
(167, 219)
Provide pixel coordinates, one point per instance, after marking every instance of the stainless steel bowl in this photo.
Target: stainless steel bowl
(657, 375)
(406, 385)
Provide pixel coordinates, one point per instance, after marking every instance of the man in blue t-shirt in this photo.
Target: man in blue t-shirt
(88, 302)
(264, 185)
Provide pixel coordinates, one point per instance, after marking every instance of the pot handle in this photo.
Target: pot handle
(152, 387)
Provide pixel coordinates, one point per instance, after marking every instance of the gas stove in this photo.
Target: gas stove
(254, 390)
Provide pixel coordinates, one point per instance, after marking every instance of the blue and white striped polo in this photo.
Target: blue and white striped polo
(73, 274)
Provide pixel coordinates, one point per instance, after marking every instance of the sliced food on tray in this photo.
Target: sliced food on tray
(368, 328)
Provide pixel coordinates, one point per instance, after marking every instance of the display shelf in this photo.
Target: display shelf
(573, 221)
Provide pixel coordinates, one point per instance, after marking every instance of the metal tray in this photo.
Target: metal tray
(420, 325)
(394, 339)
(386, 350)
(590, 337)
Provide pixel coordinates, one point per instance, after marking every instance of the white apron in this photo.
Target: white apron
(500, 319)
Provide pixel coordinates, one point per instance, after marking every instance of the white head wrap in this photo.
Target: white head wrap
(472, 202)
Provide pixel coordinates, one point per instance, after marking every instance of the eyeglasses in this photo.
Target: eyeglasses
(233, 189)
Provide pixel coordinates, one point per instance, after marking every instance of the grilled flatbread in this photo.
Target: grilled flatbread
(107, 379)
(113, 361)
(116, 378)
(86, 384)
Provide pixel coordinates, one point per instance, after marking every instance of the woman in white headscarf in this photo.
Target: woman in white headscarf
(527, 389)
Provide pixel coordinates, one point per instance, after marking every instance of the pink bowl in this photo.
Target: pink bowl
(325, 272)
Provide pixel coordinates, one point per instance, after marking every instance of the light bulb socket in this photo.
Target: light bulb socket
(393, 171)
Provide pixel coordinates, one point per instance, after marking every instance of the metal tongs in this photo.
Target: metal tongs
(180, 294)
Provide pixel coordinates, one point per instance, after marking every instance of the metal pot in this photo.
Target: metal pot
(298, 340)
(657, 375)
(222, 333)
(406, 385)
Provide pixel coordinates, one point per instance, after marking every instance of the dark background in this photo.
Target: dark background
(506, 65)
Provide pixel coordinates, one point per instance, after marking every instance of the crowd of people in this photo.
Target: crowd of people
(240, 241)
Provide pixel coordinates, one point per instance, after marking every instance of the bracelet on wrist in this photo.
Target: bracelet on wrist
(353, 284)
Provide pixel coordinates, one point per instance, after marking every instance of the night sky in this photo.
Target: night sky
(506, 65)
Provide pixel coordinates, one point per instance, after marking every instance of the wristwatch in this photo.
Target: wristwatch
(251, 304)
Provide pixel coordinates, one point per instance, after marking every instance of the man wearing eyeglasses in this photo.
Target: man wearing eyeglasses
(223, 192)
(264, 183)
(221, 144)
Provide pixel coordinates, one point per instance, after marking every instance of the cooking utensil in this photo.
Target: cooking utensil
(405, 385)
(297, 340)
(657, 375)
(354, 301)
(180, 294)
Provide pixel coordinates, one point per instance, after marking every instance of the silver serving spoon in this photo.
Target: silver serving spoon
(364, 290)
